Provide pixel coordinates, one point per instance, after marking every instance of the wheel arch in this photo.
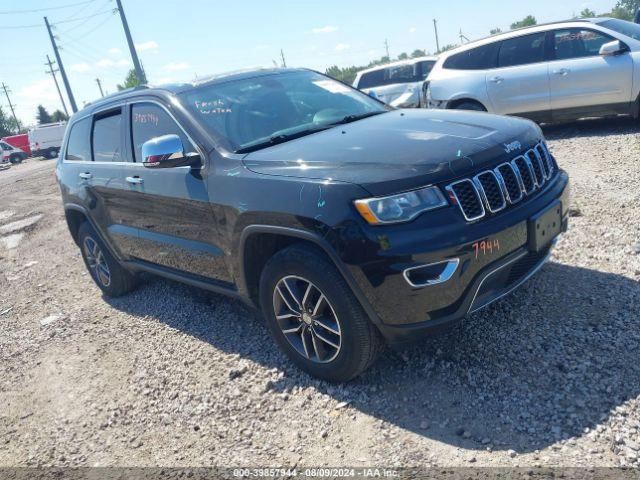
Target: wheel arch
(258, 243)
(75, 216)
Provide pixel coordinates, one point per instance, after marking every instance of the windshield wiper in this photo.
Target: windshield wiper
(280, 138)
(354, 118)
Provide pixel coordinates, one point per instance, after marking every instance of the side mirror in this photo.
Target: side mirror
(373, 94)
(167, 151)
(613, 48)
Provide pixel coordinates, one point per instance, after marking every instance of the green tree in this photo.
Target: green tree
(587, 13)
(130, 81)
(7, 124)
(527, 21)
(418, 53)
(43, 116)
(346, 75)
(59, 116)
(403, 56)
(625, 9)
(495, 31)
(447, 47)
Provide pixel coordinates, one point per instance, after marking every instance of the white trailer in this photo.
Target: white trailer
(46, 140)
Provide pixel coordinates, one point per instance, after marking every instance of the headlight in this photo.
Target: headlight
(400, 208)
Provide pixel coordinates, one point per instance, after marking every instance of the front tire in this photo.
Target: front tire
(473, 106)
(314, 317)
(105, 270)
(16, 158)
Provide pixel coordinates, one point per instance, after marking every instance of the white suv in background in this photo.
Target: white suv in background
(399, 84)
(552, 72)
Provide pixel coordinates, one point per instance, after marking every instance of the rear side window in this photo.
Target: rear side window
(5, 146)
(522, 50)
(79, 145)
(577, 43)
(371, 79)
(425, 68)
(479, 58)
(107, 137)
(149, 120)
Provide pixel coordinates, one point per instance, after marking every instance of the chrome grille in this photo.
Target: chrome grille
(468, 199)
(543, 153)
(523, 167)
(536, 165)
(491, 191)
(512, 185)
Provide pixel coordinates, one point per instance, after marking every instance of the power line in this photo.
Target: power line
(15, 27)
(10, 12)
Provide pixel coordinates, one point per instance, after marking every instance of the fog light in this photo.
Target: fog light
(431, 274)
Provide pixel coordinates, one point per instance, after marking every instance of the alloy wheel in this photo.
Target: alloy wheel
(96, 261)
(307, 319)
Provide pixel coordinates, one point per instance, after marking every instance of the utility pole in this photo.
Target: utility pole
(134, 56)
(463, 37)
(53, 74)
(284, 62)
(100, 87)
(386, 45)
(6, 92)
(435, 27)
(65, 80)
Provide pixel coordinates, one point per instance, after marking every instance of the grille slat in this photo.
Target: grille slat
(511, 183)
(526, 175)
(490, 188)
(468, 199)
(490, 191)
(536, 165)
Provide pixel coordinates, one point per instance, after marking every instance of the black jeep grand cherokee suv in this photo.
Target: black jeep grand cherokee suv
(344, 220)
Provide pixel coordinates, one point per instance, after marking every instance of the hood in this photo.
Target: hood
(400, 149)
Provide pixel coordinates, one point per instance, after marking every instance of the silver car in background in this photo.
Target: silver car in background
(399, 84)
(553, 72)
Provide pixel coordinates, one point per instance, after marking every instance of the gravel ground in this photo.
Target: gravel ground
(172, 376)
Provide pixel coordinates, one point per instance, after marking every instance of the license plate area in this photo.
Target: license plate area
(545, 226)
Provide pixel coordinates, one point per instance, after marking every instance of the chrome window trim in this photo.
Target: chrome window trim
(504, 184)
(483, 193)
(450, 189)
(445, 276)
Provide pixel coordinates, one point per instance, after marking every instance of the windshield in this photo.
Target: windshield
(407, 73)
(622, 26)
(254, 111)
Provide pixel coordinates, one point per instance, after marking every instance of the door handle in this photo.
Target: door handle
(496, 79)
(85, 175)
(134, 180)
(563, 71)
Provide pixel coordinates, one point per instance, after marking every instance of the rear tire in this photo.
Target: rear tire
(53, 153)
(15, 158)
(473, 106)
(340, 341)
(111, 277)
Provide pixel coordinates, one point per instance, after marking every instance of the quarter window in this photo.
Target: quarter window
(78, 145)
(107, 136)
(148, 121)
(577, 43)
(479, 58)
(522, 50)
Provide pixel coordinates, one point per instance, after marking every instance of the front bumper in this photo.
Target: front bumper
(406, 313)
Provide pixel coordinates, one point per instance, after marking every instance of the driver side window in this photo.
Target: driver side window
(149, 120)
(578, 43)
